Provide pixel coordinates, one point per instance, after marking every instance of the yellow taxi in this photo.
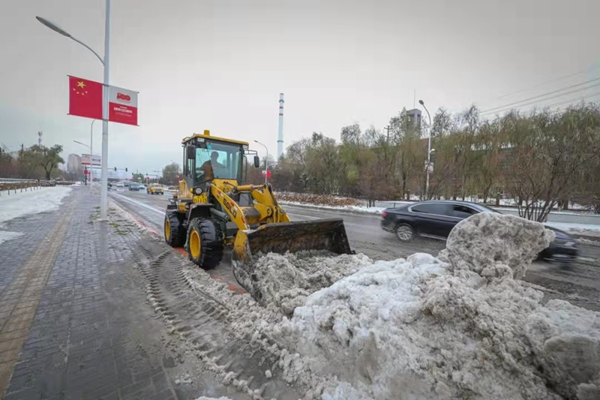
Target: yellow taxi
(155, 188)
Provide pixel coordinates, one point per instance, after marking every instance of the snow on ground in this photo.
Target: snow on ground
(360, 209)
(455, 326)
(213, 398)
(285, 281)
(5, 235)
(29, 202)
(583, 229)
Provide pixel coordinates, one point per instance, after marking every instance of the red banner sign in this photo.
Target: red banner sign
(85, 98)
(122, 106)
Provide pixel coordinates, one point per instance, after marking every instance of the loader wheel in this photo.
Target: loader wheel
(204, 246)
(173, 230)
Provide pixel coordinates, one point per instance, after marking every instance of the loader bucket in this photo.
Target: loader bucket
(325, 234)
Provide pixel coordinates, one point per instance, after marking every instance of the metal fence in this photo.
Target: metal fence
(9, 186)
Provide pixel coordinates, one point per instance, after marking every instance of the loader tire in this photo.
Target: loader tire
(204, 245)
(173, 229)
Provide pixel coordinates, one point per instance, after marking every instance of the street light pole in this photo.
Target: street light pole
(428, 149)
(105, 63)
(91, 152)
(104, 184)
(266, 161)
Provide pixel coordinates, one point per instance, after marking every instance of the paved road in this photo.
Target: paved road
(578, 283)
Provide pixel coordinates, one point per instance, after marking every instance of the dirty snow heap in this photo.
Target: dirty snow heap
(457, 326)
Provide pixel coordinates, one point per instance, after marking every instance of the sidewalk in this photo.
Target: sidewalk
(74, 319)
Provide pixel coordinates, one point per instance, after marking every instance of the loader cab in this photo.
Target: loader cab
(207, 158)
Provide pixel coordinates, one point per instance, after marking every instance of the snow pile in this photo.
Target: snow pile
(457, 326)
(285, 281)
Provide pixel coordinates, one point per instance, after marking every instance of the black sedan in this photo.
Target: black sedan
(435, 219)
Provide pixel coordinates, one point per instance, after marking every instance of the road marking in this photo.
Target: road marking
(139, 203)
(19, 300)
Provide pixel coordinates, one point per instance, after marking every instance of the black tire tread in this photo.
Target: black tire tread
(414, 232)
(211, 245)
(177, 238)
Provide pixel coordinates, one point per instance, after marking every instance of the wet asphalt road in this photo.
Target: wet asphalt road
(578, 283)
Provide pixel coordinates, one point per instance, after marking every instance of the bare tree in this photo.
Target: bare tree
(547, 152)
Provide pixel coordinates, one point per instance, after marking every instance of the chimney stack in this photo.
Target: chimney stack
(280, 136)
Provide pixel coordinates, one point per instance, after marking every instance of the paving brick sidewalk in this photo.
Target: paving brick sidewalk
(85, 330)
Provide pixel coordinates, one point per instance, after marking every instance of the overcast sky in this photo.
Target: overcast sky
(220, 65)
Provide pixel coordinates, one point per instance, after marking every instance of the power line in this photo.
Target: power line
(544, 83)
(588, 97)
(570, 101)
(547, 94)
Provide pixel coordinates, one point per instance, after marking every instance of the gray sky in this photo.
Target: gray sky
(220, 65)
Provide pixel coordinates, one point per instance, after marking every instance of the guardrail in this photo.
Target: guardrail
(10, 186)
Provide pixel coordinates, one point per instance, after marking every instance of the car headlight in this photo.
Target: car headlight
(570, 244)
(198, 191)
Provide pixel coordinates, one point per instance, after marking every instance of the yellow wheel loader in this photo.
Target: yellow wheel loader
(212, 210)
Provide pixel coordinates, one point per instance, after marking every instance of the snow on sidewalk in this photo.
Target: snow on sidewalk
(29, 202)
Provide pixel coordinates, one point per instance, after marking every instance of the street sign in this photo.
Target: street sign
(267, 174)
(86, 159)
(122, 105)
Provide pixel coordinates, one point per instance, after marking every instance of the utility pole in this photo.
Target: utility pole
(387, 128)
(428, 150)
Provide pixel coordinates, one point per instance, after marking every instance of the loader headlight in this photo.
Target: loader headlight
(198, 191)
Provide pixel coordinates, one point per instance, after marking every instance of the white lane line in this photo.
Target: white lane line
(139, 203)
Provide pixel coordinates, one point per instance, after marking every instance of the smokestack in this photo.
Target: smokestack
(280, 136)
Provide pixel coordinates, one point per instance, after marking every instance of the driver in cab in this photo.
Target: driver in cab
(209, 166)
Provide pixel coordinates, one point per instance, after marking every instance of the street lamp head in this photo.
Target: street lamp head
(53, 26)
(421, 102)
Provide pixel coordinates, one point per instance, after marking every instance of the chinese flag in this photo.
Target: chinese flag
(85, 98)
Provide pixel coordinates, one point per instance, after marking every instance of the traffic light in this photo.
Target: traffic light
(115, 168)
(126, 169)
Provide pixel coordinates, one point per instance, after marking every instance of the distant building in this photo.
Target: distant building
(414, 115)
(74, 164)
